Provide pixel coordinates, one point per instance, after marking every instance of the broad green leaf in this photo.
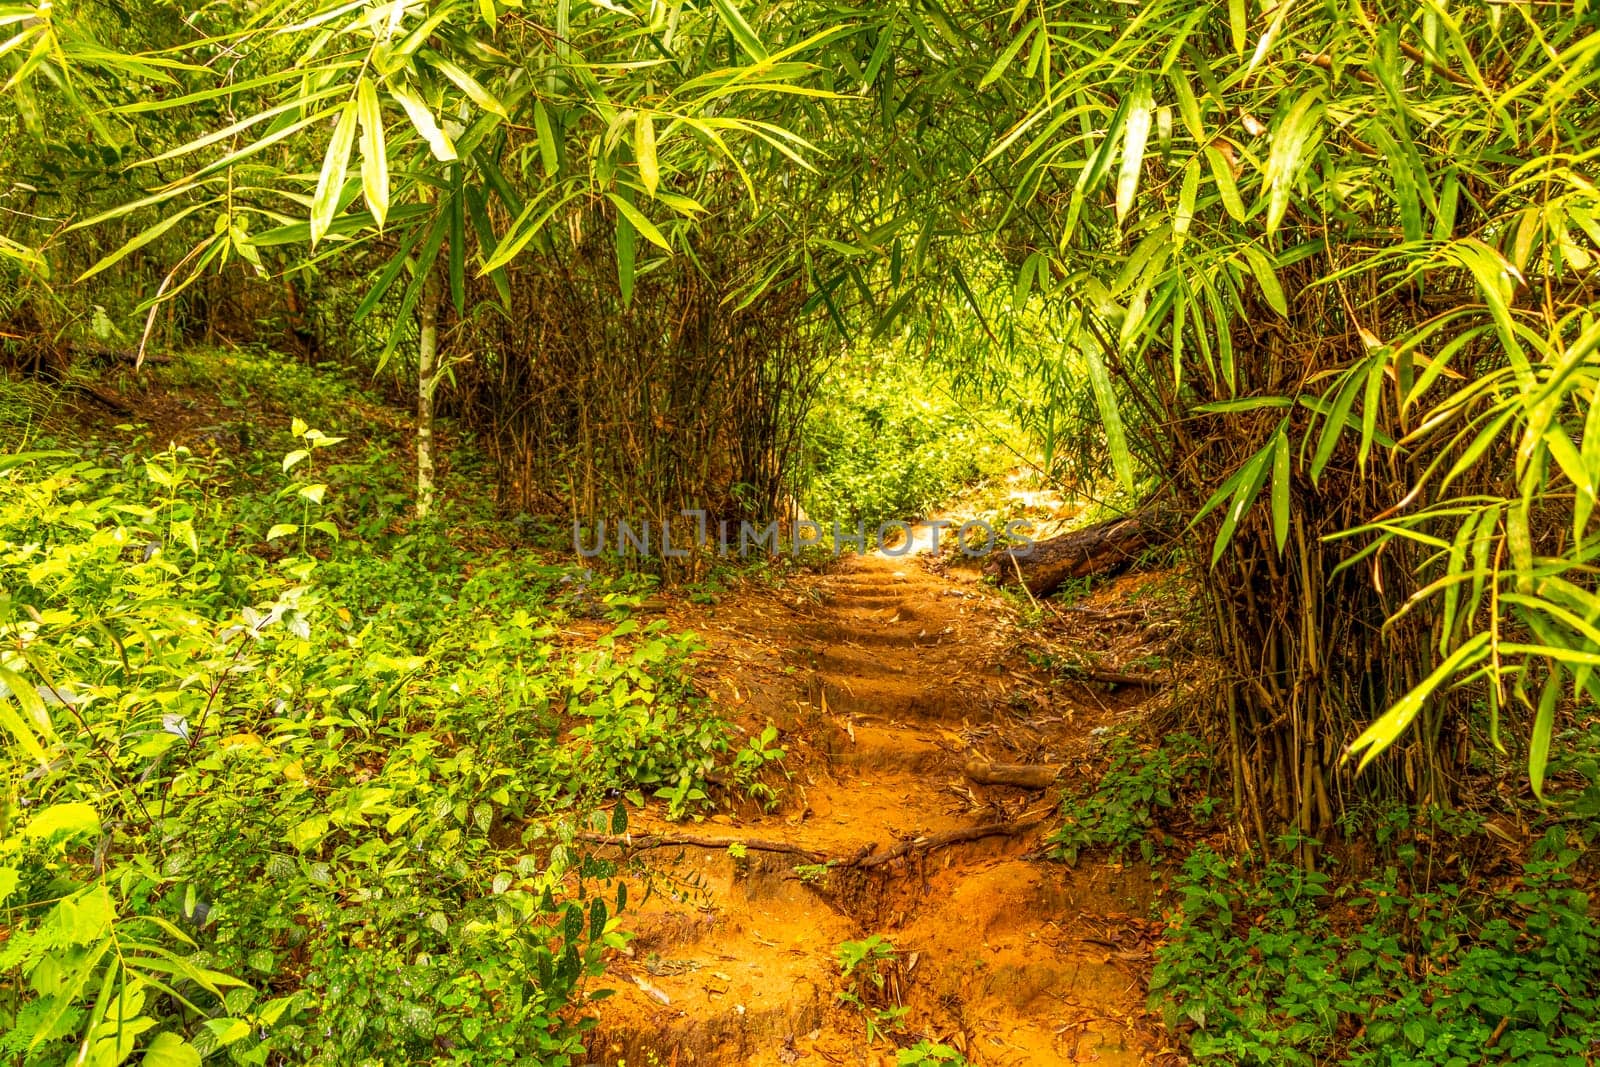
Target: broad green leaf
(71, 819)
(469, 85)
(1393, 723)
(170, 1050)
(1186, 196)
(143, 238)
(1289, 147)
(1105, 398)
(1280, 487)
(1222, 172)
(1267, 277)
(549, 155)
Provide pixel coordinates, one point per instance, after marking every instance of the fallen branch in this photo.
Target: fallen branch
(1098, 674)
(865, 859)
(1022, 775)
(646, 842)
(952, 837)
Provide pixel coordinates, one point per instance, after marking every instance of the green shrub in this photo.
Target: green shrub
(1265, 967)
(277, 793)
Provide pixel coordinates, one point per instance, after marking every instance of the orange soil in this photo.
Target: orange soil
(885, 679)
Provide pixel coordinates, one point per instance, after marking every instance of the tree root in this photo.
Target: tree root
(865, 859)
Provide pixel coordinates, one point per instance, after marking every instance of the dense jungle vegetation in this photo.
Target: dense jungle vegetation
(331, 328)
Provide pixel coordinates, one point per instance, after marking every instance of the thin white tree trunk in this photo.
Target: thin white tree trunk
(427, 369)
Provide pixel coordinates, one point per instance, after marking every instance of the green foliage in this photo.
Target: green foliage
(1122, 811)
(867, 966)
(1273, 964)
(927, 1053)
(313, 804)
(886, 441)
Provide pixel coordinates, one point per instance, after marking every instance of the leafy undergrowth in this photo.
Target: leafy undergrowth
(1126, 810)
(1278, 965)
(1405, 961)
(283, 784)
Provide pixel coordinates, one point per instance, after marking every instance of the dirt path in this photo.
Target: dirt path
(885, 679)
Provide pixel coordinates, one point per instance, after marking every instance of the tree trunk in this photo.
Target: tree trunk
(1102, 549)
(427, 370)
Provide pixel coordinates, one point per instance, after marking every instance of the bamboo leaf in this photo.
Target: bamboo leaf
(644, 151)
(438, 141)
(742, 33)
(1136, 133)
(1222, 174)
(549, 155)
(335, 165)
(1280, 486)
(640, 222)
(374, 156)
(469, 85)
(1393, 723)
(1105, 398)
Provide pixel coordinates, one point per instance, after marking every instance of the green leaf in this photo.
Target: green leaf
(1543, 727)
(1267, 278)
(439, 143)
(1393, 723)
(742, 33)
(282, 529)
(374, 157)
(70, 819)
(335, 165)
(1136, 133)
(626, 252)
(640, 222)
(469, 85)
(227, 1031)
(1105, 398)
(644, 152)
(1222, 173)
(1288, 152)
(170, 1050)
(1280, 487)
(549, 154)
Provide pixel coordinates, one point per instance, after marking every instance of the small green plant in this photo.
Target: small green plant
(760, 753)
(927, 1053)
(870, 968)
(1121, 811)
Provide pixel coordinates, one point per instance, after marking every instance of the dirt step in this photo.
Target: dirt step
(864, 632)
(888, 698)
(887, 602)
(918, 579)
(845, 660)
(875, 748)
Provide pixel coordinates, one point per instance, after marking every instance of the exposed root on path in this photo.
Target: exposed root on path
(867, 857)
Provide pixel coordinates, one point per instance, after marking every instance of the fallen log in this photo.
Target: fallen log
(1021, 775)
(1101, 550)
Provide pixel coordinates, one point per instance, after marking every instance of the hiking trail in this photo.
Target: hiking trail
(885, 679)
